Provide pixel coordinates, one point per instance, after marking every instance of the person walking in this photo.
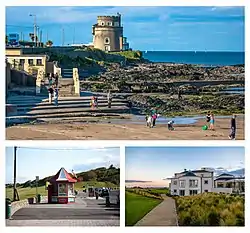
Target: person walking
(233, 128)
(50, 90)
(56, 96)
(109, 98)
(56, 79)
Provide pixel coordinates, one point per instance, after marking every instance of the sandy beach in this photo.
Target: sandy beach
(110, 131)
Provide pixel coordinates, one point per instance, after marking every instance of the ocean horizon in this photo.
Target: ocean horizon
(203, 58)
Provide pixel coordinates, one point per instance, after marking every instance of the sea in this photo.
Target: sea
(197, 58)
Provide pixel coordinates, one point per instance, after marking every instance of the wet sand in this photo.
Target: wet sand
(128, 131)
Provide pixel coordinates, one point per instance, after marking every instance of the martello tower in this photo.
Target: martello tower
(108, 33)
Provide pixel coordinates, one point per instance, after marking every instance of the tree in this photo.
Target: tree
(49, 43)
(6, 40)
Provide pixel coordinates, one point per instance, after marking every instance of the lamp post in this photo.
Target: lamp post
(14, 186)
(35, 26)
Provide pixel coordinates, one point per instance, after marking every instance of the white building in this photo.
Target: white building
(188, 183)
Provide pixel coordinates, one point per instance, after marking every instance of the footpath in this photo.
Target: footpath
(162, 215)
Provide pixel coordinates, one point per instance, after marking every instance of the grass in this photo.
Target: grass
(28, 192)
(159, 190)
(211, 209)
(137, 206)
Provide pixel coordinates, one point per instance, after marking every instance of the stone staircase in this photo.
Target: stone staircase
(30, 108)
(67, 73)
(66, 87)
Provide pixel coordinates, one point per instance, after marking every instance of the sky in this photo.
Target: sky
(32, 162)
(153, 164)
(147, 28)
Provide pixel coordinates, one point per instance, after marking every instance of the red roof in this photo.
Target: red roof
(63, 175)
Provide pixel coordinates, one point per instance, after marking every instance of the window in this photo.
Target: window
(107, 48)
(175, 190)
(22, 61)
(205, 181)
(175, 182)
(182, 183)
(193, 192)
(206, 191)
(106, 40)
(102, 23)
(109, 23)
(39, 62)
(182, 192)
(220, 185)
(31, 62)
(116, 24)
(62, 190)
(193, 183)
(71, 189)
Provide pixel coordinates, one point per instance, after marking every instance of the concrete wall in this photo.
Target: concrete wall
(23, 79)
(13, 51)
(8, 75)
(222, 190)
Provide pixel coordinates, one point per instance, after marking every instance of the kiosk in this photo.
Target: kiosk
(61, 188)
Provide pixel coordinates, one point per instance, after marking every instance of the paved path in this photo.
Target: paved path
(162, 215)
(84, 212)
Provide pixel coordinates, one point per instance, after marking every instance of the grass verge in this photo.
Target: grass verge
(137, 206)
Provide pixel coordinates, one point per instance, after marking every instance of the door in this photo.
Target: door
(182, 192)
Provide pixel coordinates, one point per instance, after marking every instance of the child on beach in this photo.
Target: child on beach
(170, 125)
(150, 122)
(208, 117)
(233, 128)
(211, 126)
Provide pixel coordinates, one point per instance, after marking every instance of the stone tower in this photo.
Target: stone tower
(108, 33)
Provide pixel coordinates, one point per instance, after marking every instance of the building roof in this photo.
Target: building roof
(226, 174)
(188, 173)
(63, 175)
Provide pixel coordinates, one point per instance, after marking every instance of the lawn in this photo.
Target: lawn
(25, 193)
(211, 209)
(159, 190)
(137, 206)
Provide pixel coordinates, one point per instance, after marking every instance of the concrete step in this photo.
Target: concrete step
(34, 99)
(57, 113)
(64, 106)
(69, 102)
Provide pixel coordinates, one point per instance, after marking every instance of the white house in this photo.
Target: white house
(188, 183)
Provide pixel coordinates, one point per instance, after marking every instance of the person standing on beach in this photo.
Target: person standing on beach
(154, 119)
(208, 117)
(233, 128)
(212, 122)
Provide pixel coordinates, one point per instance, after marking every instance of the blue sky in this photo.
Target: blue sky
(36, 162)
(147, 28)
(157, 163)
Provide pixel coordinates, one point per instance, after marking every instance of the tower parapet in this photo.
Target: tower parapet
(107, 33)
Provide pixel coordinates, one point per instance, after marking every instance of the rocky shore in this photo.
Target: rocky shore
(170, 105)
(163, 77)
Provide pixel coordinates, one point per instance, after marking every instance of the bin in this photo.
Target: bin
(8, 208)
(107, 201)
(38, 198)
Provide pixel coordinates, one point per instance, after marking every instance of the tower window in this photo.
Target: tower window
(106, 40)
(109, 23)
(102, 23)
